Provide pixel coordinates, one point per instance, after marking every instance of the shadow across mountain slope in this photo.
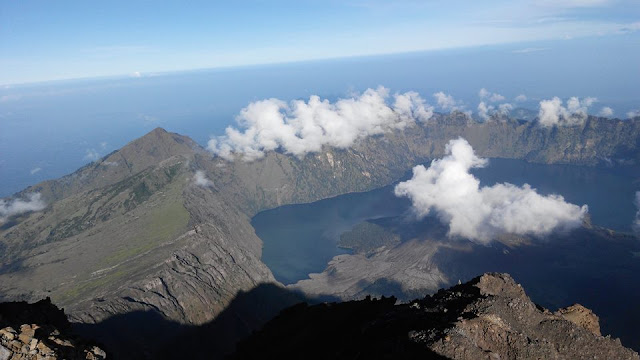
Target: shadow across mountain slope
(489, 317)
(149, 335)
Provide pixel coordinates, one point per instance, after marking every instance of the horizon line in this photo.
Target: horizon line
(143, 74)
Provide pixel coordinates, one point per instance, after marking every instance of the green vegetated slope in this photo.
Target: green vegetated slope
(93, 240)
(133, 231)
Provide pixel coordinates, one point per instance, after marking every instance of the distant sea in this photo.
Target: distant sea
(50, 129)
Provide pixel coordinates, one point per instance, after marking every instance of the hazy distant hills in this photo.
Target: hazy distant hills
(161, 225)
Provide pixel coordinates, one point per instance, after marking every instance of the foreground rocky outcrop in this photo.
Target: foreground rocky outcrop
(41, 331)
(489, 317)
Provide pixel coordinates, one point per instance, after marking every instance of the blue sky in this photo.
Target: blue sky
(53, 40)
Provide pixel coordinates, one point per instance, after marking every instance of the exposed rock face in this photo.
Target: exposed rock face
(41, 331)
(582, 317)
(280, 179)
(407, 270)
(490, 317)
(138, 236)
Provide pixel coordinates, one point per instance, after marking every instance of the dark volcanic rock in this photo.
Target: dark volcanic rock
(490, 317)
(41, 331)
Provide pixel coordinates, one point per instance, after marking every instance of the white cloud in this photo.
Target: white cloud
(33, 202)
(521, 98)
(505, 109)
(35, 170)
(481, 213)
(496, 97)
(447, 102)
(576, 105)
(633, 113)
(147, 119)
(411, 106)
(91, 155)
(606, 112)
(552, 112)
(485, 111)
(200, 179)
(529, 50)
(301, 127)
(493, 97)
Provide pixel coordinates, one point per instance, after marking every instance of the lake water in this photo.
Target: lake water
(577, 267)
(300, 239)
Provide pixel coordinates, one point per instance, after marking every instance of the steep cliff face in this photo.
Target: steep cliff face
(136, 234)
(279, 179)
(490, 317)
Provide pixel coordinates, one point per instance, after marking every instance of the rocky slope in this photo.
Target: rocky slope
(134, 232)
(490, 317)
(118, 238)
(41, 331)
(280, 179)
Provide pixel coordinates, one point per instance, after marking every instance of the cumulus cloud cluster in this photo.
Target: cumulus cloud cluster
(33, 202)
(606, 112)
(447, 102)
(488, 95)
(201, 179)
(486, 110)
(633, 113)
(480, 213)
(553, 112)
(301, 126)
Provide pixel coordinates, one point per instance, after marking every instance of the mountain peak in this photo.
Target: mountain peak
(149, 150)
(159, 130)
(152, 148)
(162, 135)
